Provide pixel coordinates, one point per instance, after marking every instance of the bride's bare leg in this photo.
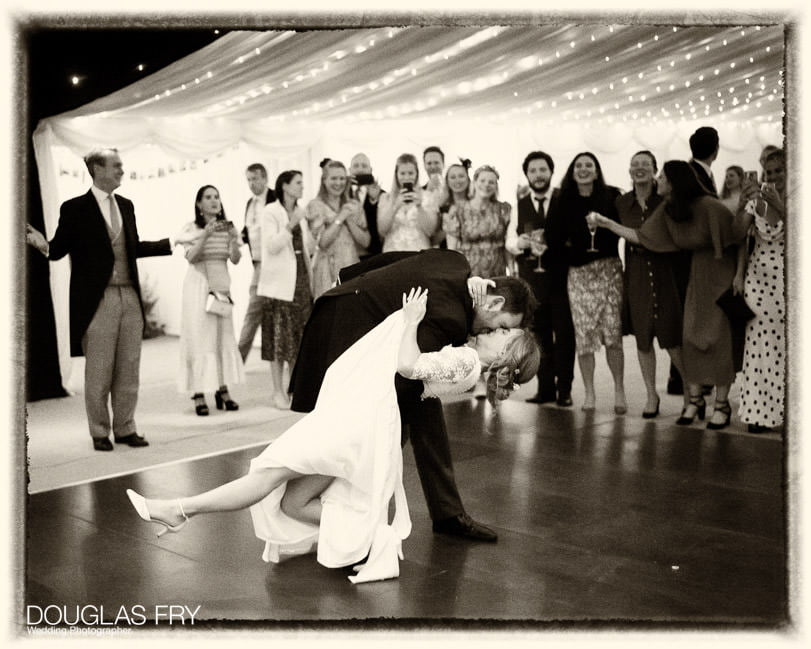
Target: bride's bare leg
(302, 497)
(237, 494)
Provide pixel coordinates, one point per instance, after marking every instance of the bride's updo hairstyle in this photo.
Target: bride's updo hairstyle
(517, 364)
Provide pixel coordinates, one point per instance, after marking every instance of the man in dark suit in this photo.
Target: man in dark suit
(368, 194)
(257, 177)
(99, 233)
(553, 318)
(704, 145)
(368, 293)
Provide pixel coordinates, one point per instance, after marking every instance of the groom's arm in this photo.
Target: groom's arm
(372, 263)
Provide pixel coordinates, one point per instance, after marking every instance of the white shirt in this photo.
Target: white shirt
(544, 200)
(104, 205)
(254, 224)
(511, 243)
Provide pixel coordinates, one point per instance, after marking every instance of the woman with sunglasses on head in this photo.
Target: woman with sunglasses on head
(478, 227)
(343, 460)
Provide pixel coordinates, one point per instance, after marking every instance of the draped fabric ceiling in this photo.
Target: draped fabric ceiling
(636, 85)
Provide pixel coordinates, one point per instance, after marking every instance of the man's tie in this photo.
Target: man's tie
(540, 210)
(115, 218)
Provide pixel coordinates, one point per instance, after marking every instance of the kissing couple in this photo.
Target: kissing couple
(400, 330)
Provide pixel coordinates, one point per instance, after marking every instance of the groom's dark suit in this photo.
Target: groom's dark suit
(106, 310)
(368, 293)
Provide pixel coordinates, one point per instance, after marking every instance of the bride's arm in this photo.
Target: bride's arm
(413, 312)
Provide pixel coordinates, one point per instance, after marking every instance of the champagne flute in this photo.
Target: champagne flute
(538, 245)
(528, 229)
(591, 222)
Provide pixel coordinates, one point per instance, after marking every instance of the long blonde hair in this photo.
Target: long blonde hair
(518, 363)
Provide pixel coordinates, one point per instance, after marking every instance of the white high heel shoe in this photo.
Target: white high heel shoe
(139, 502)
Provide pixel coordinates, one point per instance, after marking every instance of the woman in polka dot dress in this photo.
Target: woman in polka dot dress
(764, 362)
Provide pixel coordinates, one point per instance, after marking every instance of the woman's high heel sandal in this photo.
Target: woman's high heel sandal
(650, 414)
(139, 502)
(223, 400)
(200, 406)
(701, 409)
(724, 408)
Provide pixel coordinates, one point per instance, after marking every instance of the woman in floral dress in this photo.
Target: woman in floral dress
(478, 227)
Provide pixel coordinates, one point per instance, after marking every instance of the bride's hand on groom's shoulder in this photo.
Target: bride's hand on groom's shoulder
(477, 288)
(414, 305)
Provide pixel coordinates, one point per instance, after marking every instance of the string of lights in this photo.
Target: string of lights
(599, 73)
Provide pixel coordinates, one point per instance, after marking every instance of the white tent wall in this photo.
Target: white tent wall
(163, 184)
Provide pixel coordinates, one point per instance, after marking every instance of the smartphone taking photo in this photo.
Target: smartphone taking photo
(408, 187)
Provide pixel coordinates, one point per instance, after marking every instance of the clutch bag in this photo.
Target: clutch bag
(220, 304)
(735, 307)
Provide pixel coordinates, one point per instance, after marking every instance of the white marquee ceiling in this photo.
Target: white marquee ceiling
(596, 72)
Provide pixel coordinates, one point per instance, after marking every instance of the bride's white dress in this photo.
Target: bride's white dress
(354, 434)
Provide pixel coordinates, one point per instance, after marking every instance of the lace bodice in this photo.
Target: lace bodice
(451, 370)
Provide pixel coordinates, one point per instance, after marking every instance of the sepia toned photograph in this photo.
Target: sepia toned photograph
(463, 324)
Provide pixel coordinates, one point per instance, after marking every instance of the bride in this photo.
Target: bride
(350, 443)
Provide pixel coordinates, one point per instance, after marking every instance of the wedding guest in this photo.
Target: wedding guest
(209, 356)
(98, 232)
(733, 183)
(690, 218)
(765, 153)
(547, 273)
(704, 145)
(337, 224)
(455, 190)
(762, 284)
(433, 191)
(367, 193)
(257, 177)
(403, 221)
(478, 227)
(595, 271)
(285, 280)
(652, 300)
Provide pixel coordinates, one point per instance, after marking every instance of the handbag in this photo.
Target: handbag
(735, 307)
(220, 304)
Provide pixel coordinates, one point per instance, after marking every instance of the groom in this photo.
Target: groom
(369, 292)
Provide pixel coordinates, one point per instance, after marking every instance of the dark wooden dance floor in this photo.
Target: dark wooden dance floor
(601, 518)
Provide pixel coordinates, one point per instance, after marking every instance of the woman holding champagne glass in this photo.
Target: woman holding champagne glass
(595, 271)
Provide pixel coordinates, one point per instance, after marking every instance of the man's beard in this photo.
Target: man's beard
(540, 190)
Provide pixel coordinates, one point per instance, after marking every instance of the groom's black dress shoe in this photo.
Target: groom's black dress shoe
(102, 444)
(132, 440)
(464, 526)
(564, 400)
(541, 398)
